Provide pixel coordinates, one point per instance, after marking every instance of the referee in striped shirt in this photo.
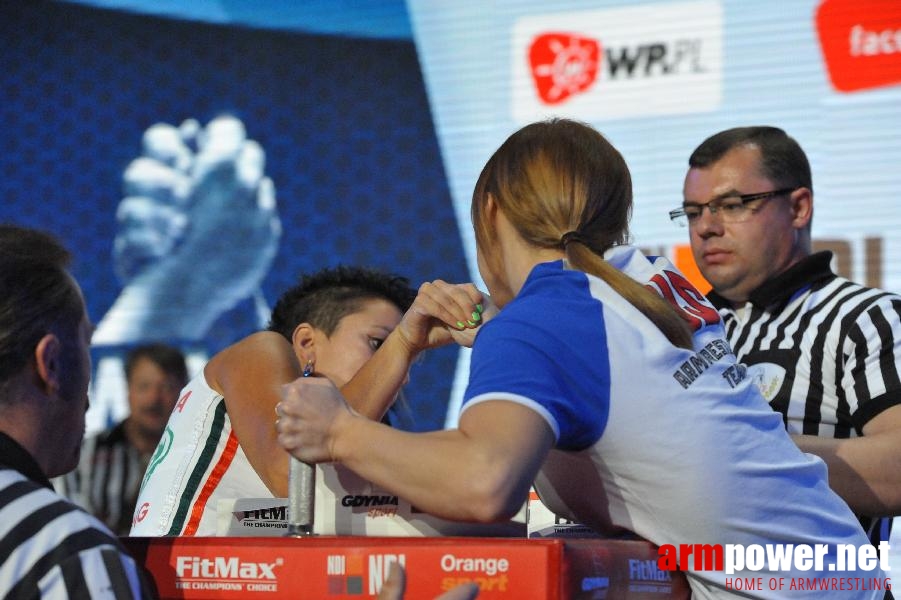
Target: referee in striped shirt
(824, 351)
(48, 546)
(108, 478)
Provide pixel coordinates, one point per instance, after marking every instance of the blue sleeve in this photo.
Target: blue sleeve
(523, 363)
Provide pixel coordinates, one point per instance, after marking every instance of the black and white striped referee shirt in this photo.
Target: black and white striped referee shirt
(107, 480)
(825, 351)
(50, 548)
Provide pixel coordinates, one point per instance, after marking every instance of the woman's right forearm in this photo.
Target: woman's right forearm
(373, 389)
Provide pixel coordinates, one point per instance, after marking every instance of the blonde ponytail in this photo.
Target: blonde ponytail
(664, 316)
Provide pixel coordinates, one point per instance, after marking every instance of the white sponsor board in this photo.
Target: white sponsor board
(347, 504)
(651, 59)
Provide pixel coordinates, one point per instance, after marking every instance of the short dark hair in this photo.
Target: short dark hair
(168, 358)
(37, 295)
(323, 298)
(782, 159)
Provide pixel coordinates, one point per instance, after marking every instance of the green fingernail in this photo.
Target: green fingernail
(471, 323)
(476, 316)
(479, 308)
(461, 325)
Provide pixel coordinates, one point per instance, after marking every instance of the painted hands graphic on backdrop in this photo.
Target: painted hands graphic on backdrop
(198, 231)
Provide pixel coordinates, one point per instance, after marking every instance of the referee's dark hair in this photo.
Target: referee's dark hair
(37, 296)
(782, 160)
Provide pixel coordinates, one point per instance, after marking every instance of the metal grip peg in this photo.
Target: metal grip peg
(301, 495)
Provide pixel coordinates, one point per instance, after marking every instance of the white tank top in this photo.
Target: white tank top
(197, 463)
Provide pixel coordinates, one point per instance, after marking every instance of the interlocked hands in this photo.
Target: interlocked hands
(198, 230)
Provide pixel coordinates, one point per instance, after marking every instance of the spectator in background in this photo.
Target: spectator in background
(823, 350)
(113, 462)
(51, 548)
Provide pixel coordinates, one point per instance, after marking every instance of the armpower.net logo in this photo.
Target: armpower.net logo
(861, 42)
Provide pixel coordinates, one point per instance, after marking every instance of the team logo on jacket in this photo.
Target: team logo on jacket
(768, 378)
(162, 450)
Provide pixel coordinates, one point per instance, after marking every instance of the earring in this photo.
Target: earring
(308, 368)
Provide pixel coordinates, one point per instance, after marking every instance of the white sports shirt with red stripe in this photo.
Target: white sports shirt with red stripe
(197, 463)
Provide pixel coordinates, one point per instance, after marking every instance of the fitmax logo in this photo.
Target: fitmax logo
(275, 513)
(221, 567)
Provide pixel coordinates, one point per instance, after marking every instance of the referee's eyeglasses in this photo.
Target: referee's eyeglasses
(729, 209)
